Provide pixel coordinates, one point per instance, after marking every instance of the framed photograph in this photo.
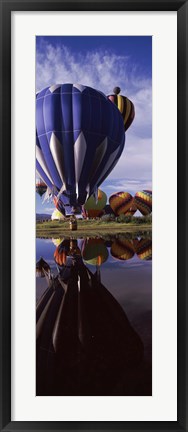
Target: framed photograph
(93, 215)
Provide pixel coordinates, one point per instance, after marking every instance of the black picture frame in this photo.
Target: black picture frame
(5, 215)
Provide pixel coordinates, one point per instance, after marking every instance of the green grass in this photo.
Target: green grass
(90, 228)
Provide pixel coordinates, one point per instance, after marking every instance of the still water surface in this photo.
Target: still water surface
(111, 354)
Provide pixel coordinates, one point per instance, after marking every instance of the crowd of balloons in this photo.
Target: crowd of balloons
(125, 203)
(121, 203)
(95, 251)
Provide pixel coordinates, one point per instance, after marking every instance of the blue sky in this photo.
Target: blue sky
(104, 62)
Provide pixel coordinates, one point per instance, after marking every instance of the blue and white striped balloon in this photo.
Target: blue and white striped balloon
(80, 137)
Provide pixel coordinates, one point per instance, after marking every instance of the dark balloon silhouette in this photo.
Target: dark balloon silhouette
(42, 268)
(85, 343)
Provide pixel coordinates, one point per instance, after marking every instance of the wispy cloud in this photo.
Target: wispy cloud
(103, 69)
(49, 209)
(125, 184)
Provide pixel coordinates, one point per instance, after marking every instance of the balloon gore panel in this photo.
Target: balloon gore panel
(80, 137)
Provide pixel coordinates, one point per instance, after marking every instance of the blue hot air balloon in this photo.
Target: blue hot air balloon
(80, 137)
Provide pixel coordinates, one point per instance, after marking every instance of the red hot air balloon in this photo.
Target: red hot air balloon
(40, 187)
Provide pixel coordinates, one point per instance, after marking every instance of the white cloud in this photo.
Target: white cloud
(49, 209)
(99, 69)
(136, 159)
(104, 70)
(126, 185)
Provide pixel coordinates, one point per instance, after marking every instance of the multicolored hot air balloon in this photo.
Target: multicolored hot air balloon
(132, 210)
(40, 187)
(121, 202)
(144, 249)
(124, 105)
(122, 249)
(57, 241)
(61, 252)
(143, 202)
(94, 208)
(59, 205)
(94, 251)
(68, 247)
(80, 136)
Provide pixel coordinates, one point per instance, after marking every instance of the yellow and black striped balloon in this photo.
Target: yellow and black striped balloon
(122, 249)
(143, 202)
(121, 202)
(132, 209)
(144, 249)
(126, 108)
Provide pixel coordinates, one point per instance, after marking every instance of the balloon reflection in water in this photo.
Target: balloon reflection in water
(67, 247)
(85, 343)
(144, 249)
(57, 241)
(122, 249)
(94, 251)
(42, 268)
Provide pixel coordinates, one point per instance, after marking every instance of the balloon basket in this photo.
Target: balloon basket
(73, 225)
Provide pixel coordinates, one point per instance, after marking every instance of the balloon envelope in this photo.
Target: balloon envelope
(94, 251)
(121, 202)
(132, 209)
(143, 202)
(144, 249)
(41, 187)
(57, 215)
(61, 252)
(41, 267)
(122, 249)
(94, 208)
(126, 108)
(80, 137)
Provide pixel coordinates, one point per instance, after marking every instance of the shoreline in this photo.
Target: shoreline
(91, 229)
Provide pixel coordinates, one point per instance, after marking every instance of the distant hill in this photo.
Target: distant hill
(43, 216)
